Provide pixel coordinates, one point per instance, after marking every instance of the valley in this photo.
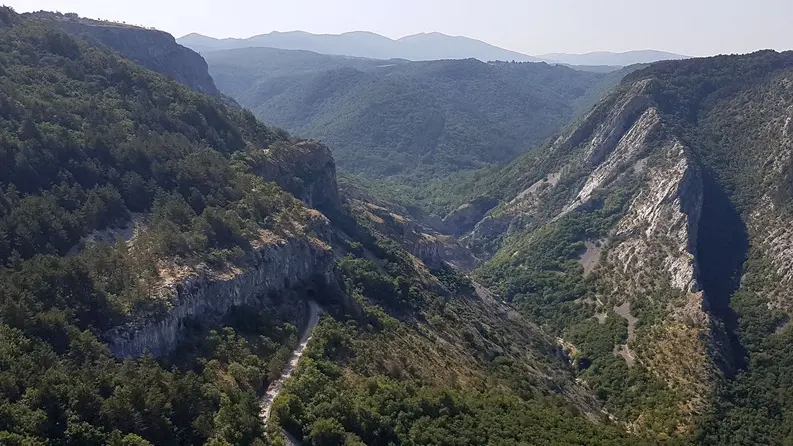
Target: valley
(405, 121)
(509, 253)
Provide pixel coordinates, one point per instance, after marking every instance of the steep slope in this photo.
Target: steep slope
(652, 238)
(204, 297)
(420, 119)
(426, 46)
(385, 378)
(91, 141)
(155, 50)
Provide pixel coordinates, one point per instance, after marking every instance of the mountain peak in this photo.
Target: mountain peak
(194, 35)
(426, 34)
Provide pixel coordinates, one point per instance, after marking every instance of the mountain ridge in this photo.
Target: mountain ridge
(156, 50)
(417, 47)
(227, 229)
(423, 46)
(610, 58)
(631, 279)
(678, 185)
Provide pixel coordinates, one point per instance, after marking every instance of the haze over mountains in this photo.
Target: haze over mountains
(425, 46)
(612, 59)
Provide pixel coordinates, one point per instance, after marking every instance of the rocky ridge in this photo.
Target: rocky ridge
(151, 48)
(280, 265)
(307, 170)
(703, 156)
(296, 260)
(623, 145)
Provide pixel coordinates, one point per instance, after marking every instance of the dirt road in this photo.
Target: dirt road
(278, 385)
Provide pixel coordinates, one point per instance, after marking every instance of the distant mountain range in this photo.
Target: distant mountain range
(612, 59)
(425, 46)
(432, 46)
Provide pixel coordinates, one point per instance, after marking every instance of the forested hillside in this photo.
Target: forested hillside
(155, 50)
(137, 213)
(412, 121)
(653, 239)
(89, 140)
(239, 69)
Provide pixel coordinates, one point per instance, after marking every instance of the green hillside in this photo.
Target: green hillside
(162, 253)
(87, 139)
(409, 120)
(653, 238)
(92, 144)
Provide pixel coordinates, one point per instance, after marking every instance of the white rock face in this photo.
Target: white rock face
(661, 224)
(605, 144)
(276, 267)
(651, 250)
(631, 144)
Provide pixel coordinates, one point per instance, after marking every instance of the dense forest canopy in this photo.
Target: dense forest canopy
(409, 120)
(87, 139)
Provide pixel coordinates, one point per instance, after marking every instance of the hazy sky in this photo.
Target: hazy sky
(694, 27)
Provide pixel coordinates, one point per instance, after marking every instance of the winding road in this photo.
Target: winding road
(277, 386)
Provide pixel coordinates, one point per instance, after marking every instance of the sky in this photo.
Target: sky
(690, 27)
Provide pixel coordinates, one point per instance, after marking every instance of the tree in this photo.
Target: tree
(326, 432)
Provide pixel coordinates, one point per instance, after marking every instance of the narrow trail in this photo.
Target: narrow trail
(277, 386)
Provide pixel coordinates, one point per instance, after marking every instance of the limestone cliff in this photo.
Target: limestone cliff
(425, 243)
(277, 264)
(624, 147)
(464, 218)
(153, 49)
(702, 158)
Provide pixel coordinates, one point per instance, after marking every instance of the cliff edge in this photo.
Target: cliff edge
(150, 48)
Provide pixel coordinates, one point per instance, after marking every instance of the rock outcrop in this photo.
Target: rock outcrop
(277, 266)
(306, 170)
(153, 49)
(426, 244)
(464, 218)
(649, 256)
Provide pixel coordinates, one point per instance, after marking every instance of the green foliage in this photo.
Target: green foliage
(753, 407)
(323, 407)
(88, 139)
(721, 107)
(539, 270)
(731, 112)
(413, 121)
(360, 383)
